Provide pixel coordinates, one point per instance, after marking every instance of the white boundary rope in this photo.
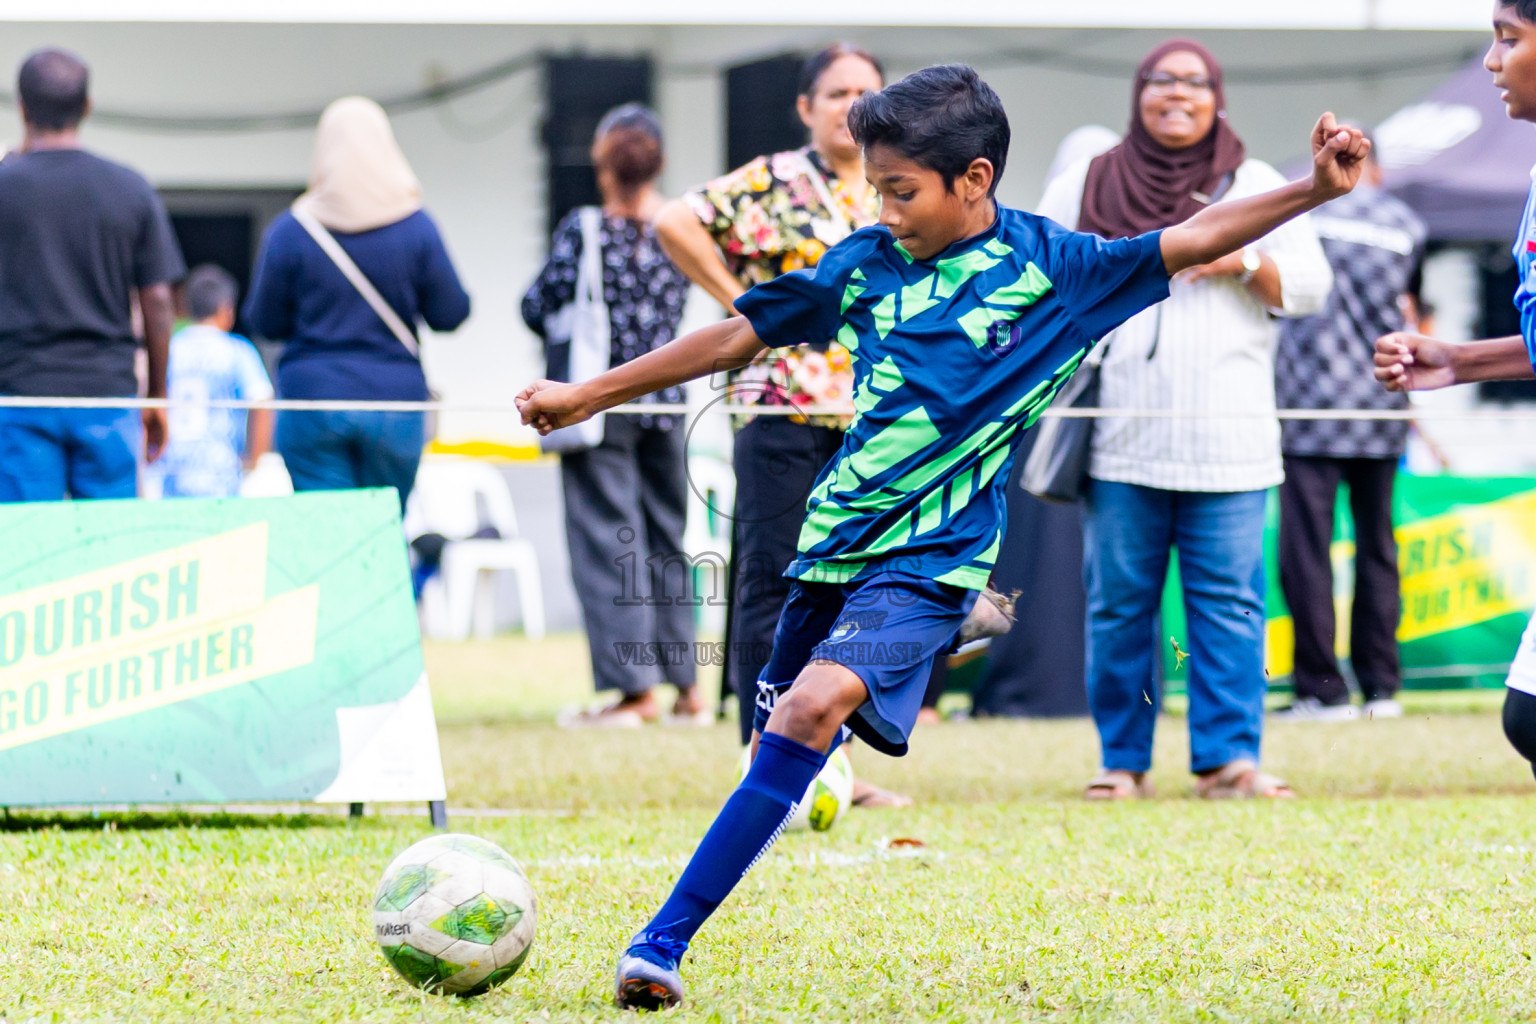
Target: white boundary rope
(1490, 415)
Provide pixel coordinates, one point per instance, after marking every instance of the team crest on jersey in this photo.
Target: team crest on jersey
(1004, 336)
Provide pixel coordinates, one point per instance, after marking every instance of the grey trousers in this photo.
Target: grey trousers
(625, 508)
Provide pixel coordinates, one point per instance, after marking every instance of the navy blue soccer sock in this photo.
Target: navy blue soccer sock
(747, 825)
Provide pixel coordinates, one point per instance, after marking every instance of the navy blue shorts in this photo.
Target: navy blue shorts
(885, 628)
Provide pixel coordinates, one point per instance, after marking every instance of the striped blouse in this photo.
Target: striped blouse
(1208, 349)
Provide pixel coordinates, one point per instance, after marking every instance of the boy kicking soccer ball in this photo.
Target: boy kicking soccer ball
(1412, 362)
(963, 318)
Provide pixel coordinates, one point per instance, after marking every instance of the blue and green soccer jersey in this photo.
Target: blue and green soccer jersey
(953, 358)
(1525, 260)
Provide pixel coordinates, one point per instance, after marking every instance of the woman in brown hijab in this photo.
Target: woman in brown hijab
(1194, 477)
(1176, 154)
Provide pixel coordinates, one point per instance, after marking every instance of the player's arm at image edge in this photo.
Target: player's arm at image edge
(1494, 359)
(1414, 362)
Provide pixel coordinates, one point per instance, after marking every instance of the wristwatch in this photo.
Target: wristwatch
(1251, 264)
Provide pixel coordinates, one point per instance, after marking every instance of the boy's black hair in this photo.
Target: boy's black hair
(817, 64)
(1525, 8)
(941, 118)
(209, 289)
(53, 86)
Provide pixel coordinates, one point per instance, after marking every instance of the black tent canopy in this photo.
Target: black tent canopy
(1458, 160)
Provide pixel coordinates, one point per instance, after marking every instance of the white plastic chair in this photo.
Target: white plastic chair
(455, 497)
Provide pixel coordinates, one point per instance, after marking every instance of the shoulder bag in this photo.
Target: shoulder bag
(579, 337)
(1057, 467)
(365, 288)
(1058, 464)
(370, 294)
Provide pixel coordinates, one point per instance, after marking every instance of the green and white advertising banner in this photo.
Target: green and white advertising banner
(198, 651)
(1467, 558)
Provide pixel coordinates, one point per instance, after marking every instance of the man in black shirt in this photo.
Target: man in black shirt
(79, 237)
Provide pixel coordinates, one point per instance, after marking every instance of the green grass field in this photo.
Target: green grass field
(1400, 888)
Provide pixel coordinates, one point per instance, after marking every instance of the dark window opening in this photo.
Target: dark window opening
(579, 91)
(760, 115)
(224, 239)
(224, 226)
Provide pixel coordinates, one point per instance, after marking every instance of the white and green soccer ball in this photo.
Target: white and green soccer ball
(455, 914)
(826, 798)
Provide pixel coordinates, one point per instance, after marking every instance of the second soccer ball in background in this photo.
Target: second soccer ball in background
(826, 798)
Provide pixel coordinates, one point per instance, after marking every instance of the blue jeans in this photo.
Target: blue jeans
(46, 454)
(334, 451)
(1128, 531)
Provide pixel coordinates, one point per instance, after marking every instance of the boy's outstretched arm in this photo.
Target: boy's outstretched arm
(1338, 157)
(1413, 362)
(727, 345)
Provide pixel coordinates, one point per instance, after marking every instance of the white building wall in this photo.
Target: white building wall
(482, 166)
(1313, 14)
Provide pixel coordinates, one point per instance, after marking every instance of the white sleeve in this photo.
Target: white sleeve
(1063, 199)
(1305, 276)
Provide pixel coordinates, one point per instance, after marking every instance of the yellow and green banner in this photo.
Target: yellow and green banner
(1467, 558)
(211, 650)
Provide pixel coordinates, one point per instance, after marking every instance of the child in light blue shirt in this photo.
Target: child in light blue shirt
(210, 448)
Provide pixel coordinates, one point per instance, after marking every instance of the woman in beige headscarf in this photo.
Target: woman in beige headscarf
(364, 202)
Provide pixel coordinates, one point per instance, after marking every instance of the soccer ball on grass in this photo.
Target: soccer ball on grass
(455, 914)
(826, 798)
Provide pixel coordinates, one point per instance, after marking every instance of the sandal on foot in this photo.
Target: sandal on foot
(689, 713)
(598, 718)
(1116, 784)
(1242, 780)
(870, 796)
(624, 714)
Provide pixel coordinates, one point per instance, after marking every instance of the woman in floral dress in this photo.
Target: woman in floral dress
(777, 214)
